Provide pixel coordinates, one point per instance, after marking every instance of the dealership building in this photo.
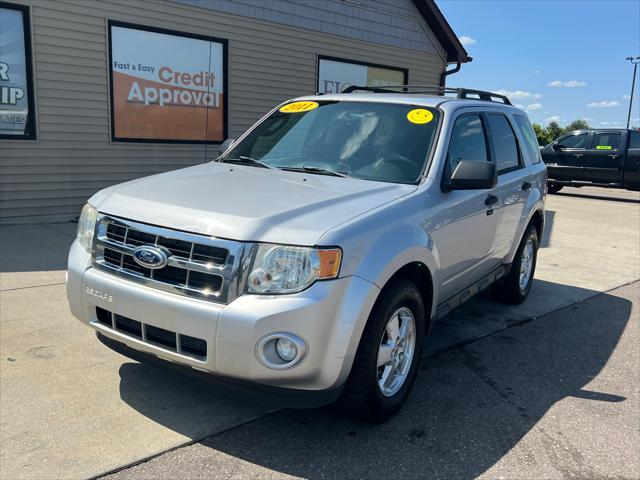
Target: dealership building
(97, 92)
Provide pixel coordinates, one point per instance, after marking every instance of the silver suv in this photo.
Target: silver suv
(314, 255)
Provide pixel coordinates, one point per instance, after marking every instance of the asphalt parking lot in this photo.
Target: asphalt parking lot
(548, 389)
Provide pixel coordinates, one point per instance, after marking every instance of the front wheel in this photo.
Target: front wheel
(387, 359)
(515, 287)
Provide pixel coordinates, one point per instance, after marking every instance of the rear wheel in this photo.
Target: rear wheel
(554, 187)
(515, 287)
(388, 355)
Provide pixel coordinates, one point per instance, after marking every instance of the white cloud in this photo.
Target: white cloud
(575, 83)
(555, 118)
(537, 72)
(567, 84)
(532, 107)
(604, 104)
(605, 123)
(626, 97)
(519, 94)
(466, 40)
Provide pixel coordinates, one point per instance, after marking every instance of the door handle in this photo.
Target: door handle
(526, 186)
(490, 200)
(614, 156)
(578, 155)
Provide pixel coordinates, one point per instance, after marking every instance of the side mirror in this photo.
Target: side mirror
(227, 144)
(473, 175)
(557, 146)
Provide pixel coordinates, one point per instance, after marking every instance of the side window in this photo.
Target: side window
(530, 142)
(575, 141)
(504, 142)
(635, 140)
(606, 141)
(467, 143)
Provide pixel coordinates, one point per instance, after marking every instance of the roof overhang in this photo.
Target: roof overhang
(455, 51)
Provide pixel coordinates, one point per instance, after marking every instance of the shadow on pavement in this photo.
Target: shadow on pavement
(469, 407)
(598, 197)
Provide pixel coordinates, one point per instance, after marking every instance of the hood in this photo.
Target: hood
(246, 203)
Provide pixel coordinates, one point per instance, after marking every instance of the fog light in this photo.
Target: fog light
(286, 349)
(281, 350)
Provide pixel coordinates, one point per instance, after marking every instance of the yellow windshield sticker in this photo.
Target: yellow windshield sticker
(419, 116)
(298, 107)
(603, 147)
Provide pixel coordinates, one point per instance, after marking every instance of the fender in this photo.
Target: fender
(378, 244)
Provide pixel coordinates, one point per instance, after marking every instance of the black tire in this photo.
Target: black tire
(508, 290)
(361, 397)
(553, 188)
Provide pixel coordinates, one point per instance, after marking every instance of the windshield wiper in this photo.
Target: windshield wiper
(315, 170)
(244, 160)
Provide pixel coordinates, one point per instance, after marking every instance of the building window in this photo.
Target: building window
(167, 86)
(17, 112)
(336, 74)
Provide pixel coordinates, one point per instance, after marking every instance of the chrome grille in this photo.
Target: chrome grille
(198, 266)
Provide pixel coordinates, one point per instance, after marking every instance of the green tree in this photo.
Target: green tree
(578, 124)
(553, 131)
(541, 134)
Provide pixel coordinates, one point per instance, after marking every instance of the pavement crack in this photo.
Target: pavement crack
(31, 286)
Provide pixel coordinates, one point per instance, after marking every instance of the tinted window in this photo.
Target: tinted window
(530, 142)
(606, 141)
(575, 141)
(635, 140)
(504, 142)
(373, 141)
(467, 143)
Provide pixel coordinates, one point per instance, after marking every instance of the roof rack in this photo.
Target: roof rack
(461, 93)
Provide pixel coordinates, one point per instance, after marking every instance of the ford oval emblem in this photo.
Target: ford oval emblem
(150, 256)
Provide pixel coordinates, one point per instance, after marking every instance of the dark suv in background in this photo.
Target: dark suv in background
(603, 158)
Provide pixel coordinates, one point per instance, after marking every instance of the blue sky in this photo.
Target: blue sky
(564, 59)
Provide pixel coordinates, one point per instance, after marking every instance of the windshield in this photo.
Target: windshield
(373, 141)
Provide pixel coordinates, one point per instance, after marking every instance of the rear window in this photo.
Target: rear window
(368, 140)
(530, 142)
(504, 142)
(606, 141)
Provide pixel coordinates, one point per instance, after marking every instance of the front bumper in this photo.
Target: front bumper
(329, 316)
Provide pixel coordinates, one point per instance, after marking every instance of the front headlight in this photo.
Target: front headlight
(281, 269)
(86, 227)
